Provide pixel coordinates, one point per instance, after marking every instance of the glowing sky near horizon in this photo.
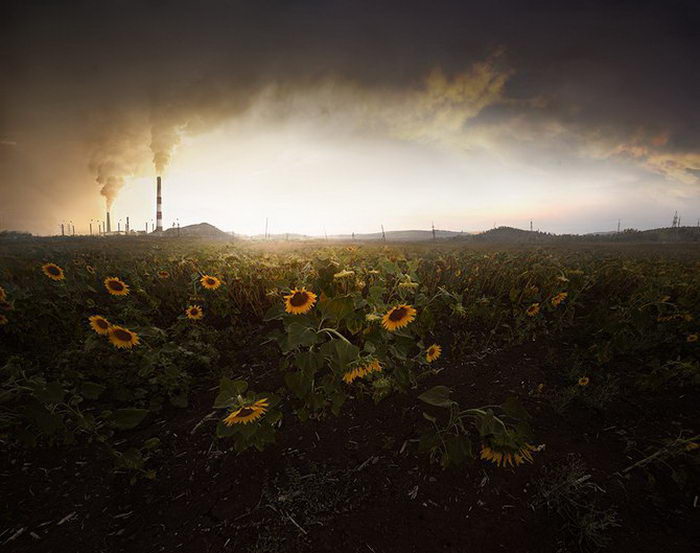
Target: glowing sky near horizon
(339, 117)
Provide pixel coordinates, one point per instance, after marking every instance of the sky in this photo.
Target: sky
(341, 116)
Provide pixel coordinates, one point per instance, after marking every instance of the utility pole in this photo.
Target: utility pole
(383, 234)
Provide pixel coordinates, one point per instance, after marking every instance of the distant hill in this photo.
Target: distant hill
(204, 230)
(512, 235)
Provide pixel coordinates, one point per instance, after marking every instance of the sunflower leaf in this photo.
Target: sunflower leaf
(125, 419)
(439, 396)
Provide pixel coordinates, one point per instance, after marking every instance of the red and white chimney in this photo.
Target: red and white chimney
(159, 208)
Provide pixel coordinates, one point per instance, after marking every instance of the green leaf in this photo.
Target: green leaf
(300, 335)
(337, 308)
(125, 419)
(439, 396)
(228, 391)
(224, 431)
(91, 390)
(52, 392)
(276, 311)
(512, 408)
(151, 443)
(341, 353)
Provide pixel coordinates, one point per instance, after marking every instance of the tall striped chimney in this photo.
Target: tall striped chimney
(109, 225)
(159, 208)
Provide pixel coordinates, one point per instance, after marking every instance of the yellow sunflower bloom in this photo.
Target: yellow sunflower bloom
(116, 287)
(299, 301)
(398, 317)
(99, 324)
(210, 282)
(360, 372)
(53, 271)
(583, 381)
(433, 352)
(194, 312)
(163, 274)
(692, 338)
(560, 297)
(248, 413)
(533, 310)
(121, 337)
(503, 457)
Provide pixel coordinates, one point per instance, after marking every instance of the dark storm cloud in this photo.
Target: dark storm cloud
(121, 81)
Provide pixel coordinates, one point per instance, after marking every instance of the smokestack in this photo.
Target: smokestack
(109, 224)
(127, 225)
(159, 208)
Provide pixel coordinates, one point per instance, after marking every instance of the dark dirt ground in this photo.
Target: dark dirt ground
(353, 483)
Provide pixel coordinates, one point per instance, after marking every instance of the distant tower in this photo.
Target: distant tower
(618, 226)
(159, 206)
(109, 224)
(675, 220)
(383, 234)
(127, 225)
(433, 231)
(530, 225)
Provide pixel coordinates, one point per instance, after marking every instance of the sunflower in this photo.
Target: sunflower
(194, 312)
(116, 287)
(3, 294)
(560, 297)
(398, 317)
(163, 274)
(99, 324)
(360, 372)
(584, 381)
(299, 301)
(210, 282)
(504, 456)
(122, 337)
(692, 338)
(533, 310)
(248, 413)
(53, 271)
(433, 352)
(3, 320)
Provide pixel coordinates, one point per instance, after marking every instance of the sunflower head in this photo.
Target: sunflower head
(398, 317)
(247, 413)
(194, 312)
(360, 372)
(692, 338)
(583, 381)
(210, 282)
(116, 287)
(299, 301)
(533, 310)
(560, 297)
(504, 456)
(433, 352)
(163, 274)
(99, 324)
(121, 337)
(53, 271)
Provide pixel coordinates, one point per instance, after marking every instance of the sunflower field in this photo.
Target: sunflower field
(481, 361)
